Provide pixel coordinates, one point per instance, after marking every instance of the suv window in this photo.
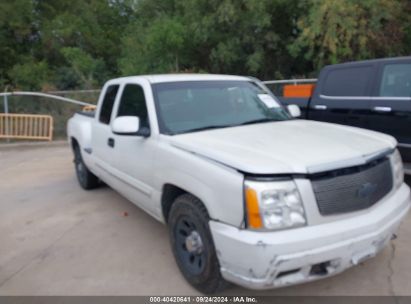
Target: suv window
(351, 81)
(133, 103)
(396, 80)
(108, 103)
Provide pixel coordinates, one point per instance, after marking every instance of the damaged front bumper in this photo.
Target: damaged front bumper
(263, 260)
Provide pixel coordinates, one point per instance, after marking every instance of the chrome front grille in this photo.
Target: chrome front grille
(352, 189)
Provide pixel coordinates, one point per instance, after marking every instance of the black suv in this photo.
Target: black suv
(373, 94)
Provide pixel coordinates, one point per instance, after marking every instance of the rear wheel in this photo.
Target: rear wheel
(193, 246)
(86, 179)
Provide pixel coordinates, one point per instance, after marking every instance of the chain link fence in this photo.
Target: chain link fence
(60, 110)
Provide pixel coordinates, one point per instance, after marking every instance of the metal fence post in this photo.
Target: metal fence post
(6, 111)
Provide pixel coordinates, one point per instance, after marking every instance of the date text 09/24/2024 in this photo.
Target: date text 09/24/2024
(202, 299)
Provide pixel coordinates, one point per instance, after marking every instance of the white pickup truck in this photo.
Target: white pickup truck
(250, 194)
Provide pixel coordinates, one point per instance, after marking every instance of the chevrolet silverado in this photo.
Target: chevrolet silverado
(250, 194)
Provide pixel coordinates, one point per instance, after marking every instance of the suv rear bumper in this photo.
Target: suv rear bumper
(263, 260)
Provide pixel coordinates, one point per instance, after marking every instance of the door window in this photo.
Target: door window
(351, 81)
(108, 103)
(133, 103)
(396, 80)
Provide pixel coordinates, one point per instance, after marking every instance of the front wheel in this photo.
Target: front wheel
(193, 246)
(86, 179)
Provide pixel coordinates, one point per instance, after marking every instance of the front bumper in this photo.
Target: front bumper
(263, 260)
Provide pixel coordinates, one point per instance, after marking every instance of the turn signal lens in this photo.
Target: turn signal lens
(398, 169)
(253, 213)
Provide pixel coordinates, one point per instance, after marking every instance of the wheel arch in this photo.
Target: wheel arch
(74, 142)
(170, 193)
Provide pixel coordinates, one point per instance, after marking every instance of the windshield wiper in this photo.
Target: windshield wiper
(227, 126)
(257, 121)
(207, 128)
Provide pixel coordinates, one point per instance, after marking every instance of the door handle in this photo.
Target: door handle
(320, 107)
(110, 142)
(382, 109)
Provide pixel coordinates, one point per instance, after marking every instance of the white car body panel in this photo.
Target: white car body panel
(343, 243)
(251, 148)
(213, 164)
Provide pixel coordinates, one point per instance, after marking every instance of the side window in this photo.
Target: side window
(133, 103)
(352, 81)
(396, 80)
(108, 103)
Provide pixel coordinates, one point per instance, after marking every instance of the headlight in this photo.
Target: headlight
(398, 169)
(273, 205)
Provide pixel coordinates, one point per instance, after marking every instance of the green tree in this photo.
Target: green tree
(157, 48)
(77, 44)
(83, 65)
(220, 36)
(93, 26)
(39, 30)
(17, 35)
(342, 30)
(30, 74)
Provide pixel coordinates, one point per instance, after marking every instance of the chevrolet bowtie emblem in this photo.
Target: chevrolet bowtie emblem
(366, 190)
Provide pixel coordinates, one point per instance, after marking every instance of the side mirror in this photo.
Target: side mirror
(294, 110)
(126, 125)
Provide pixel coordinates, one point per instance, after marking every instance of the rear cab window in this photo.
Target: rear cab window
(108, 103)
(348, 81)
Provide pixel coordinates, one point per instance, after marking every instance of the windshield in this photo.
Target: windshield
(191, 106)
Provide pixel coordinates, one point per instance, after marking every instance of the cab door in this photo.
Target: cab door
(391, 103)
(343, 95)
(101, 152)
(133, 154)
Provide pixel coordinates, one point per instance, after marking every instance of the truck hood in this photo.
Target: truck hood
(294, 146)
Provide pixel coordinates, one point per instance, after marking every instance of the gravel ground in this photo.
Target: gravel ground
(56, 239)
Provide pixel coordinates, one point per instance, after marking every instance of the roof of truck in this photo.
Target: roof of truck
(183, 77)
(371, 61)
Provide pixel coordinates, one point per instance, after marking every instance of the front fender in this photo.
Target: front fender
(220, 188)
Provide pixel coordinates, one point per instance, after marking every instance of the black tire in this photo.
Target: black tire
(188, 219)
(86, 179)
